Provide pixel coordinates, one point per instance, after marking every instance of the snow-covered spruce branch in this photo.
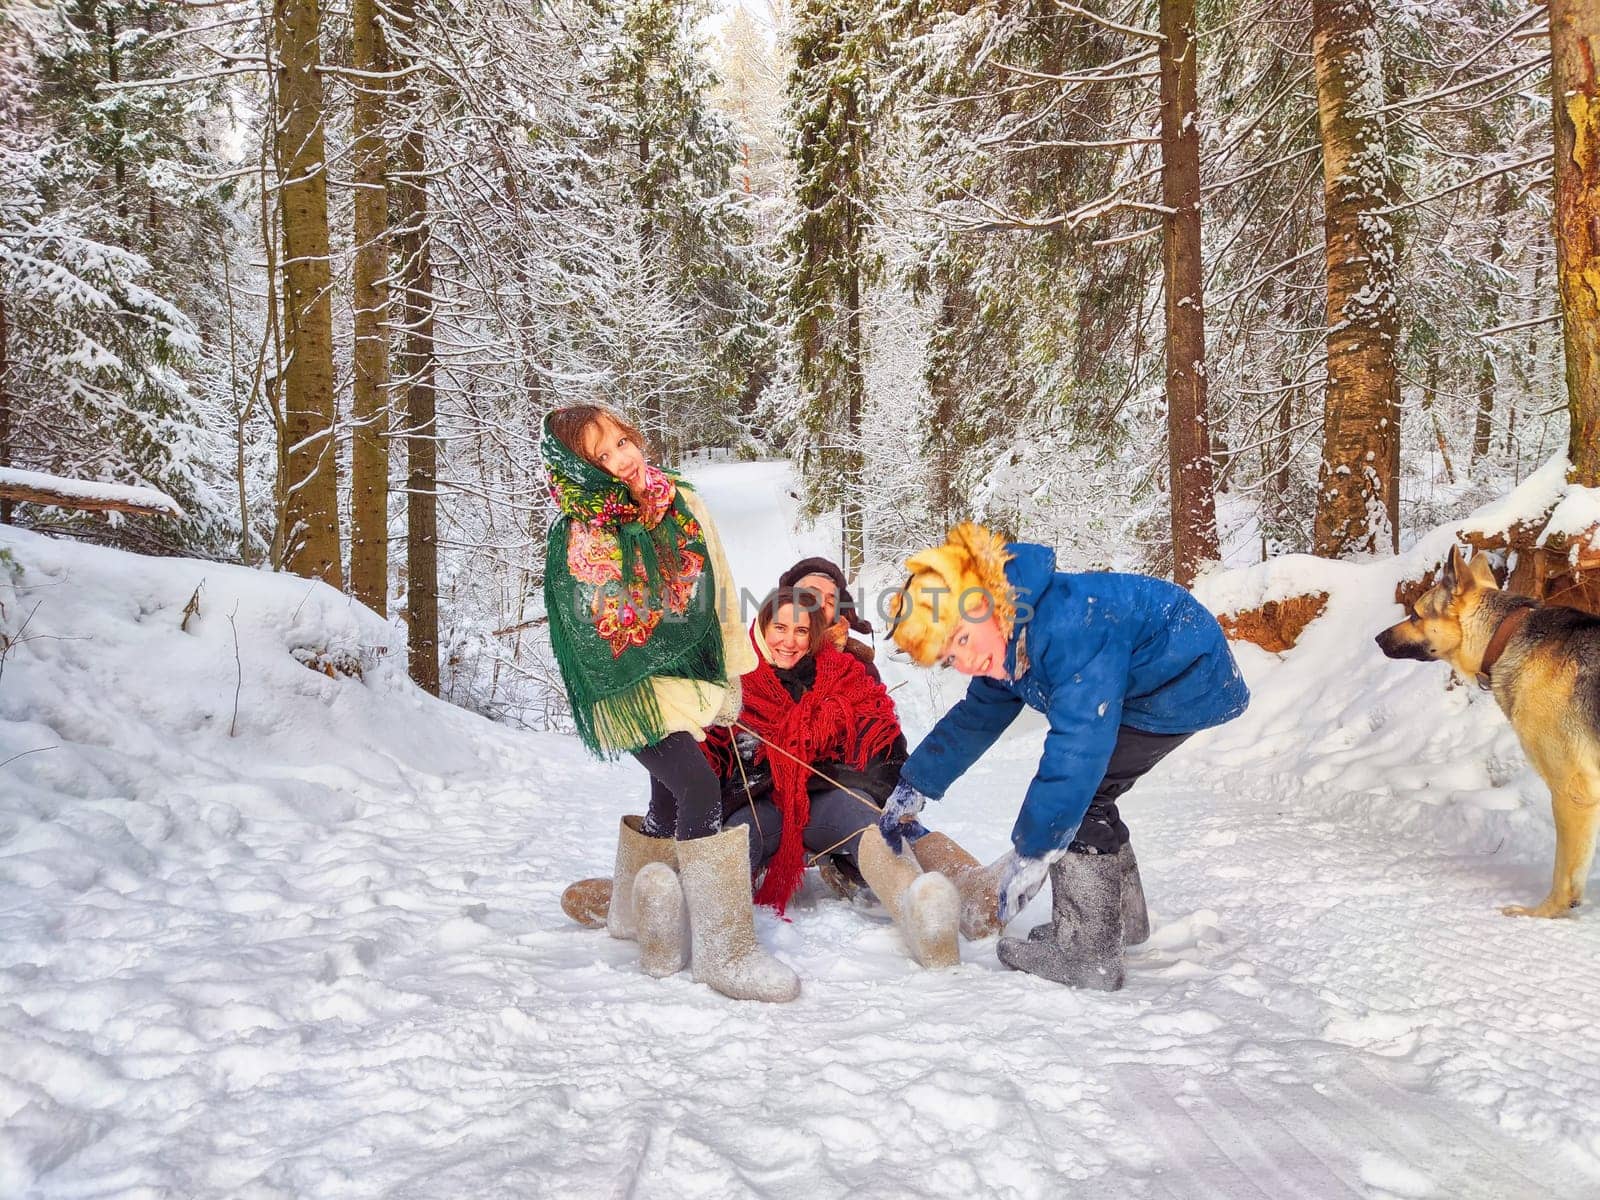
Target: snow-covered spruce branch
(1236, 453)
(1107, 144)
(1517, 30)
(1134, 31)
(1516, 69)
(1256, 172)
(138, 85)
(1514, 326)
(1520, 165)
(1107, 74)
(1123, 239)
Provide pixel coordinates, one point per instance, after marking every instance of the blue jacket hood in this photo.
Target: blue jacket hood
(1030, 572)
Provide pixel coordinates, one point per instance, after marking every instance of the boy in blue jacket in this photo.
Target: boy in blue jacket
(1125, 667)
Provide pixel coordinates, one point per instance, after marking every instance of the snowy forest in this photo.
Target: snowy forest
(358, 840)
(316, 272)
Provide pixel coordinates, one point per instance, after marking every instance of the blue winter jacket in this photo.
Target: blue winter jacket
(1092, 652)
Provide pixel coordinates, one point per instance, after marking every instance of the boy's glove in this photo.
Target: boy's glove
(899, 817)
(746, 743)
(1020, 882)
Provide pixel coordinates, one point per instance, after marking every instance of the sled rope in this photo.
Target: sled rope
(823, 775)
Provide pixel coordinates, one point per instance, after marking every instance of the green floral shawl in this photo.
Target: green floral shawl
(631, 595)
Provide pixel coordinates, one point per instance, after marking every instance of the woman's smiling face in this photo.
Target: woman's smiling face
(788, 635)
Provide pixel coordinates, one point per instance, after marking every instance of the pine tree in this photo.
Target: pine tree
(369, 409)
(1575, 84)
(1194, 513)
(832, 260)
(309, 482)
(1358, 501)
(414, 243)
(696, 265)
(108, 265)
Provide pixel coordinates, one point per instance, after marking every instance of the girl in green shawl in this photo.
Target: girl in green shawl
(645, 626)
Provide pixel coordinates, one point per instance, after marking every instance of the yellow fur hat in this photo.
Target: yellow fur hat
(931, 605)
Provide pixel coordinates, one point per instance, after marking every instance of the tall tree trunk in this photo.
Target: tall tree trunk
(311, 501)
(1194, 508)
(119, 165)
(5, 406)
(1575, 60)
(831, 126)
(945, 394)
(853, 510)
(1283, 476)
(1483, 419)
(1358, 494)
(422, 456)
(369, 448)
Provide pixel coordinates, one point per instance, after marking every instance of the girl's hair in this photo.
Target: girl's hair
(571, 426)
(803, 599)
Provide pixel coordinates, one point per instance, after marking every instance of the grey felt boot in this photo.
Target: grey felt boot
(1135, 916)
(660, 920)
(724, 952)
(925, 904)
(634, 851)
(1082, 945)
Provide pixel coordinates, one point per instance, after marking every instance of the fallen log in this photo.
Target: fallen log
(36, 487)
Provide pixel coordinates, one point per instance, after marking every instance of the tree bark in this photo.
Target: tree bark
(1483, 419)
(1192, 478)
(409, 182)
(119, 165)
(832, 128)
(311, 500)
(853, 510)
(1358, 494)
(369, 409)
(1575, 87)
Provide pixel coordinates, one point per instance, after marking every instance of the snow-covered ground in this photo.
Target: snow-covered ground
(267, 932)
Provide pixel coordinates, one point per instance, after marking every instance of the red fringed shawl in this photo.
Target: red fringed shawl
(847, 717)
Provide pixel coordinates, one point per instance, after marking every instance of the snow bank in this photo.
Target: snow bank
(204, 845)
(318, 952)
(1404, 745)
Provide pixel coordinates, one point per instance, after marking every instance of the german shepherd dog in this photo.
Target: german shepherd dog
(1542, 662)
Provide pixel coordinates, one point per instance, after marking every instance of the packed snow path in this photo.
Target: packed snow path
(325, 958)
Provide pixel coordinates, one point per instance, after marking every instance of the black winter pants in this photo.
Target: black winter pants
(1102, 831)
(685, 797)
(837, 821)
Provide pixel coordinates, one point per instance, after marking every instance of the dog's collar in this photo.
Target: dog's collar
(1503, 633)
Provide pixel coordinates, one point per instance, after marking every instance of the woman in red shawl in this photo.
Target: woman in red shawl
(816, 749)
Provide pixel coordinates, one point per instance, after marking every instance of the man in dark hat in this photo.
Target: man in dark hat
(823, 578)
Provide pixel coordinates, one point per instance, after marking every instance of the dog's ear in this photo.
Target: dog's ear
(1454, 567)
(1482, 572)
